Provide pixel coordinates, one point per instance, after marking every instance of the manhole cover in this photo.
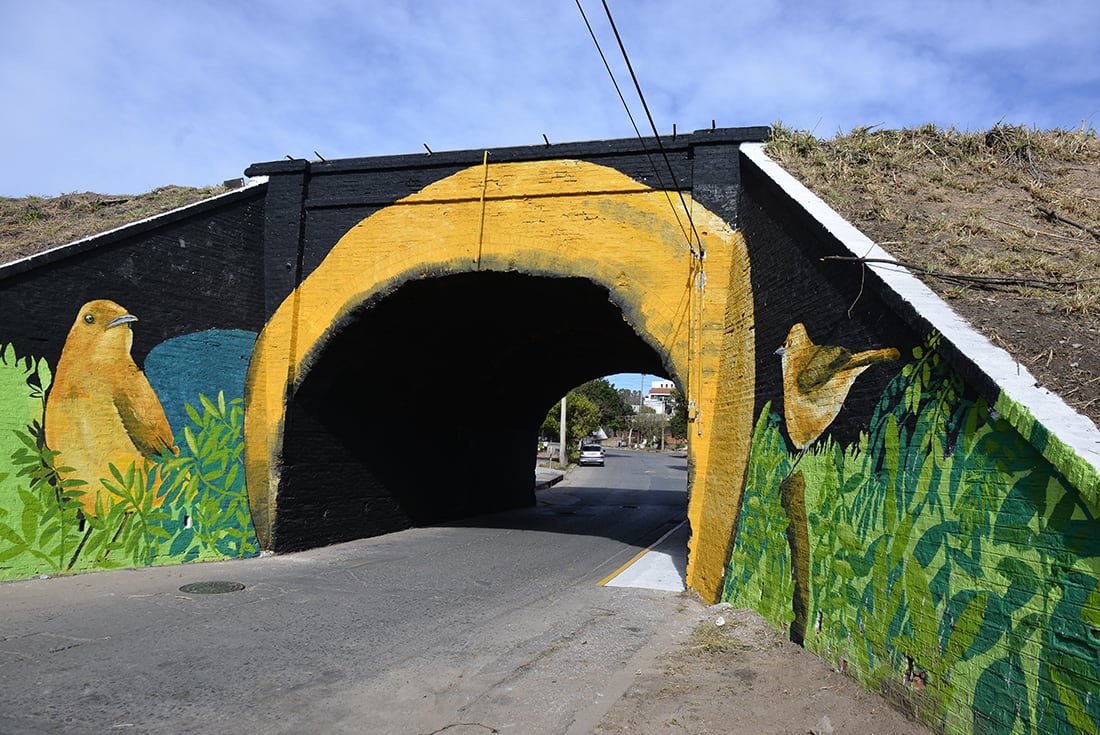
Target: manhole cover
(211, 588)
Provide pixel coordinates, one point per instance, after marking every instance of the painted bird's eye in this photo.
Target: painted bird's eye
(89, 319)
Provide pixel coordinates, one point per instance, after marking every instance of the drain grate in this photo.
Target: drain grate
(211, 588)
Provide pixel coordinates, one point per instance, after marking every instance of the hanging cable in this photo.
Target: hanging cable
(697, 277)
(641, 139)
(653, 127)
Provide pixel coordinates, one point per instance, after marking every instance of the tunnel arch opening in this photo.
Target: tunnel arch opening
(425, 405)
(560, 218)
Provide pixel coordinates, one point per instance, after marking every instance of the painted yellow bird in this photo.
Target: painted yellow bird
(101, 409)
(816, 380)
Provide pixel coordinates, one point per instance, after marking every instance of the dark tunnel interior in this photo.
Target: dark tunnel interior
(425, 405)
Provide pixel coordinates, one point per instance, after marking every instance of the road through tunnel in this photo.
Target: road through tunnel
(425, 404)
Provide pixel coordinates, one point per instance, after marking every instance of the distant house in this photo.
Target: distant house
(659, 394)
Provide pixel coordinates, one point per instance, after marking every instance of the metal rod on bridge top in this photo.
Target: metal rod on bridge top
(546, 139)
(429, 150)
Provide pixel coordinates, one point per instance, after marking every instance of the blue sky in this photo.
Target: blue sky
(633, 381)
(123, 96)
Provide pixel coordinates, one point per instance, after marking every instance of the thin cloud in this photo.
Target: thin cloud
(124, 96)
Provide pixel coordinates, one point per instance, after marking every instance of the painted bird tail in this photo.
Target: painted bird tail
(871, 357)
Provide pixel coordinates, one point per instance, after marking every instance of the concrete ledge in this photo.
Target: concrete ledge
(255, 188)
(545, 478)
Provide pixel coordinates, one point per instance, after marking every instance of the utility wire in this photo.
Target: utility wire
(614, 82)
(698, 276)
(653, 127)
(637, 132)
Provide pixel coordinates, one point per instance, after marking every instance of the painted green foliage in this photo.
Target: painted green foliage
(203, 513)
(759, 574)
(951, 566)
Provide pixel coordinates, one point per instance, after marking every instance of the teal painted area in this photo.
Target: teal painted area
(165, 510)
(204, 363)
(952, 567)
(1040, 438)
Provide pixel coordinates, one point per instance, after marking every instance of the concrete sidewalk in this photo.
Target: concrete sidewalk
(545, 477)
(662, 566)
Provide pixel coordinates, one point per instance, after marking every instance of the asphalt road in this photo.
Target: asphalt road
(492, 625)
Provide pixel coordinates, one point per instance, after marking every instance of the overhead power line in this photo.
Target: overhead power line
(652, 125)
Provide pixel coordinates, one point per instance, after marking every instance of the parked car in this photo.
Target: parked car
(591, 454)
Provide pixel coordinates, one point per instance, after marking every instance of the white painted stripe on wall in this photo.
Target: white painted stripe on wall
(252, 184)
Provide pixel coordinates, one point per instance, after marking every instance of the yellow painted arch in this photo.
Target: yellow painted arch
(556, 218)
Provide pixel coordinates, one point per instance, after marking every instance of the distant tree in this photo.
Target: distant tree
(678, 421)
(613, 410)
(581, 420)
(649, 424)
(551, 425)
(630, 398)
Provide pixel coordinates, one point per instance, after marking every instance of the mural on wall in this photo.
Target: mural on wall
(101, 411)
(942, 562)
(935, 555)
(98, 477)
(816, 380)
(111, 465)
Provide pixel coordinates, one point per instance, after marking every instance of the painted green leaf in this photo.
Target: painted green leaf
(961, 624)
(1017, 511)
(208, 405)
(231, 480)
(29, 521)
(189, 437)
(1023, 581)
(848, 538)
(861, 565)
(843, 568)
(11, 552)
(1001, 698)
(935, 538)
(922, 611)
(10, 535)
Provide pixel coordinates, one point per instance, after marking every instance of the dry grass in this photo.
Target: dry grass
(31, 224)
(709, 639)
(997, 222)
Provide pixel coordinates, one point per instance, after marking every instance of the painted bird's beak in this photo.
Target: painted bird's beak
(124, 319)
(781, 351)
